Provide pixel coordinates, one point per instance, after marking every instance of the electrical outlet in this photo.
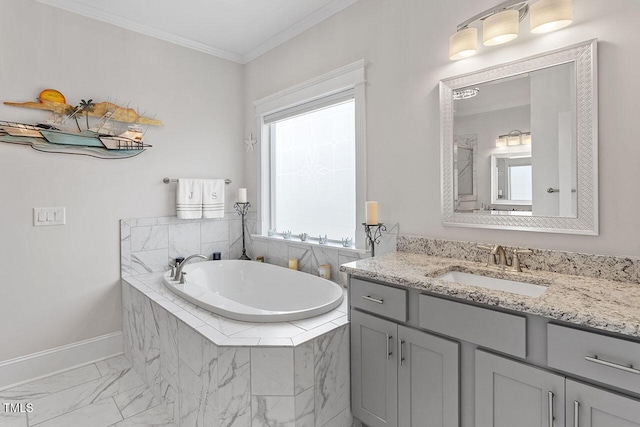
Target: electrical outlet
(49, 216)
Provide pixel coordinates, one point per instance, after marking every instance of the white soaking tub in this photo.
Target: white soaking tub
(252, 291)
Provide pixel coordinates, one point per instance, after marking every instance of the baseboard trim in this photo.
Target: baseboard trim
(55, 360)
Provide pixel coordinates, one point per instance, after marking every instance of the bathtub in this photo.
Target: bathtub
(252, 291)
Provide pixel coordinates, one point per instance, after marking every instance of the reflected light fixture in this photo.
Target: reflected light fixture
(500, 28)
(463, 43)
(550, 15)
(515, 137)
(467, 93)
(501, 24)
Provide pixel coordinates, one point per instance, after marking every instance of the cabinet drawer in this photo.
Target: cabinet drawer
(594, 356)
(379, 299)
(506, 333)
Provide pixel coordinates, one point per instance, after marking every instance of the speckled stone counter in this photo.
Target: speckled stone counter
(607, 305)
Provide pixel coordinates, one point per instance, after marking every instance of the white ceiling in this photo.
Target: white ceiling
(237, 30)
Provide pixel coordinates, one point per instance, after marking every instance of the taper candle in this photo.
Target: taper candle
(242, 195)
(372, 213)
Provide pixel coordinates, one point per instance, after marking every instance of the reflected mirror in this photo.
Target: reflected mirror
(513, 138)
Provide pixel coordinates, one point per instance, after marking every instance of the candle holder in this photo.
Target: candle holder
(242, 209)
(374, 234)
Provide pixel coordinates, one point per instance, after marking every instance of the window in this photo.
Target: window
(313, 175)
(520, 185)
(312, 157)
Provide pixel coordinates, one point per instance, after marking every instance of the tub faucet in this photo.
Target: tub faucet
(178, 275)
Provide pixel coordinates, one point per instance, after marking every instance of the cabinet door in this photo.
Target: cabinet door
(374, 372)
(512, 394)
(428, 380)
(589, 406)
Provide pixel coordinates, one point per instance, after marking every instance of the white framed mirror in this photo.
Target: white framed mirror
(519, 144)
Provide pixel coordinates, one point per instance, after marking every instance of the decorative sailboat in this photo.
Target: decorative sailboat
(102, 140)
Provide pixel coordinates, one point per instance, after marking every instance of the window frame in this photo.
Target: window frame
(349, 77)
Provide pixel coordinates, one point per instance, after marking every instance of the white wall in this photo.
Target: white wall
(406, 42)
(60, 284)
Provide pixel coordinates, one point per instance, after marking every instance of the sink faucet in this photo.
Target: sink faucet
(178, 275)
(498, 251)
(498, 257)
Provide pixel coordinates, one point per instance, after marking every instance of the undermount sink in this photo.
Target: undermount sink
(512, 286)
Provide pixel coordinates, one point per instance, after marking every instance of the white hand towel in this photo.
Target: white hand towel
(189, 198)
(213, 198)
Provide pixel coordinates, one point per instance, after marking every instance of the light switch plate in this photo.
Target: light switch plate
(49, 216)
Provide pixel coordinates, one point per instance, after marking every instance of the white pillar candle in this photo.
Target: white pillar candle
(293, 263)
(242, 195)
(372, 213)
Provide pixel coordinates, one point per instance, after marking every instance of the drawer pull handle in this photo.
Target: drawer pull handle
(629, 369)
(401, 342)
(376, 300)
(389, 353)
(576, 413)
(550, 409)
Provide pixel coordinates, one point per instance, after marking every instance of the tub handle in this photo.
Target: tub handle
(369, 298)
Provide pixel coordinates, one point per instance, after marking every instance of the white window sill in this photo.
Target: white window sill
(309, 243)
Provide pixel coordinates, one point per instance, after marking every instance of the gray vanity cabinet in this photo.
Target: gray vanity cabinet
(510, 394)
(589, 406)
(374, 372)
(402, 376)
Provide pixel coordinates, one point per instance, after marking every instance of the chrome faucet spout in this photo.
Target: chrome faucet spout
(178, 275)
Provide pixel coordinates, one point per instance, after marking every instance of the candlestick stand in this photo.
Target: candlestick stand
(374, 234)
(242, 209)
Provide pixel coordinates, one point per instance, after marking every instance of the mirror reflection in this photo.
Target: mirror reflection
(515, 145)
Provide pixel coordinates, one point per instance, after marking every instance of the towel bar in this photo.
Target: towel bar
(168, 180)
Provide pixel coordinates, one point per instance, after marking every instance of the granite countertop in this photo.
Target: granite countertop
(597, 303)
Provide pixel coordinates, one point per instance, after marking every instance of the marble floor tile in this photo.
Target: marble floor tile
(68, 400)
(102, 413)
(132, 402)
(12, 420)
(52, 384)
(154, 417)
(113, 365)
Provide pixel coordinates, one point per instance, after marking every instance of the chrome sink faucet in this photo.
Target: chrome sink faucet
(178, 275)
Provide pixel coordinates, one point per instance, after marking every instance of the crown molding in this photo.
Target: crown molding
(313, 19)
(298, 28)
(91, 12)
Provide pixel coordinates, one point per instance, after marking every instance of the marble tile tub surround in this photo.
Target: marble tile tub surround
(238, 384)
(149, 245)
(311, 255)
(603, 304)
(623, 269)
(106, 393)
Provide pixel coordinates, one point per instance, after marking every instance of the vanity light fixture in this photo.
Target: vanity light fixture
(463, 43)
(515, 137)
(467, 93)
(500, 28)
(550, 15)
(501, 24)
